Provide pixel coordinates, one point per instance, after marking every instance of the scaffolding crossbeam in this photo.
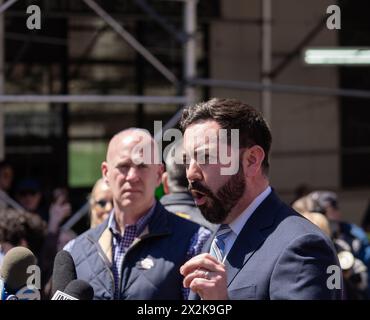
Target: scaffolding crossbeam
(121, 99)
(281, 88)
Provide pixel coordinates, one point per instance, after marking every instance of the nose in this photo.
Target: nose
(193, 172)
(132, 174)
(108, 207)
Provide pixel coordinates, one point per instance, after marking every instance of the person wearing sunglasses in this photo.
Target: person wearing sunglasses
(101, 203)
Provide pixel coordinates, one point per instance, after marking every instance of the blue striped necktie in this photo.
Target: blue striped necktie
(218, 243)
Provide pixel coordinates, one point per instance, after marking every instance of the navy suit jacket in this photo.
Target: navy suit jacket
(279, 254)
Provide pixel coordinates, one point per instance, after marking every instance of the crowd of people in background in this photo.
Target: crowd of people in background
(37, 226)
(27, 220)
(351, 241)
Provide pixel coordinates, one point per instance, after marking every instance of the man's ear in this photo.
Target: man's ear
(252, 160)
(104, 171)
(160, 171)
(165, 183)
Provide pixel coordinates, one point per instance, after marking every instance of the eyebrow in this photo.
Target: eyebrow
(123, 162)
(204, 151)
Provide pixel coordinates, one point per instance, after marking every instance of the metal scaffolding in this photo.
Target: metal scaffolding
(185, 87)
(186, 84)
(266, 46)
(186, 37)
(2, 59)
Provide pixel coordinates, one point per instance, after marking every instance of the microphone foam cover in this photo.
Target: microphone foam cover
(14, 267)
(80, 290)
(64, 271)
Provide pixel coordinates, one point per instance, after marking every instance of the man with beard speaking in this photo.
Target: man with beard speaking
(263, 249)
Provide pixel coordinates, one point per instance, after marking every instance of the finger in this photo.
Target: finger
(198, 273)
(59, 199)
(203, 256)
(201, 286)
(204, 261)
(203, 274)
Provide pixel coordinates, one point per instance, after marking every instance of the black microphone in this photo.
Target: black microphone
(64, 271)
(14, 275)
(75, 290)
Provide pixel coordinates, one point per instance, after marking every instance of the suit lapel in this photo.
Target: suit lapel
(251, 236)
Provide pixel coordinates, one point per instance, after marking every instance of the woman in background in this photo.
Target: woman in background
(101, 203)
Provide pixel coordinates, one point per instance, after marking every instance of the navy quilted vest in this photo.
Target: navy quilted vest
(163, 251)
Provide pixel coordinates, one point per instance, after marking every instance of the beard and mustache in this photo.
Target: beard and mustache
(217, 206)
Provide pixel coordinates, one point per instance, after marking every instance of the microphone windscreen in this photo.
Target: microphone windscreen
(14, 268)
(80, 290)
(64, 271)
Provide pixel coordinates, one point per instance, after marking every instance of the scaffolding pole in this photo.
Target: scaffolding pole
(266, 59)
(282, 88)
(6, 5)
(92, 99)
(190, 60)
(2, 72)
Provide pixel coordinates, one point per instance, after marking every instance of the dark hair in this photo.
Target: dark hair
(177, 181)
(15, 226)
(233, 114)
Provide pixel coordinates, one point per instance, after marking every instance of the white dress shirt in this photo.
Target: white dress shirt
(237, 225)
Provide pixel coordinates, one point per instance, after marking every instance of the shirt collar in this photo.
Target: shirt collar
(140, 224)
(237, 225)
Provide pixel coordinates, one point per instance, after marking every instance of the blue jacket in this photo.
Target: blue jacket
(150, 269)
(279, 254)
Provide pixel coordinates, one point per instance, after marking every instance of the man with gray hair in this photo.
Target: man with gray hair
(137, 252)
(177, 198)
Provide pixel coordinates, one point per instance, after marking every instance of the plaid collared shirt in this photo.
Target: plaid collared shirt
(122, 243)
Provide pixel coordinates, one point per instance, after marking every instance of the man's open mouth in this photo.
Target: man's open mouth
(199, 197)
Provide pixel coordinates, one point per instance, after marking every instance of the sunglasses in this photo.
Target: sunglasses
(102, 203)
